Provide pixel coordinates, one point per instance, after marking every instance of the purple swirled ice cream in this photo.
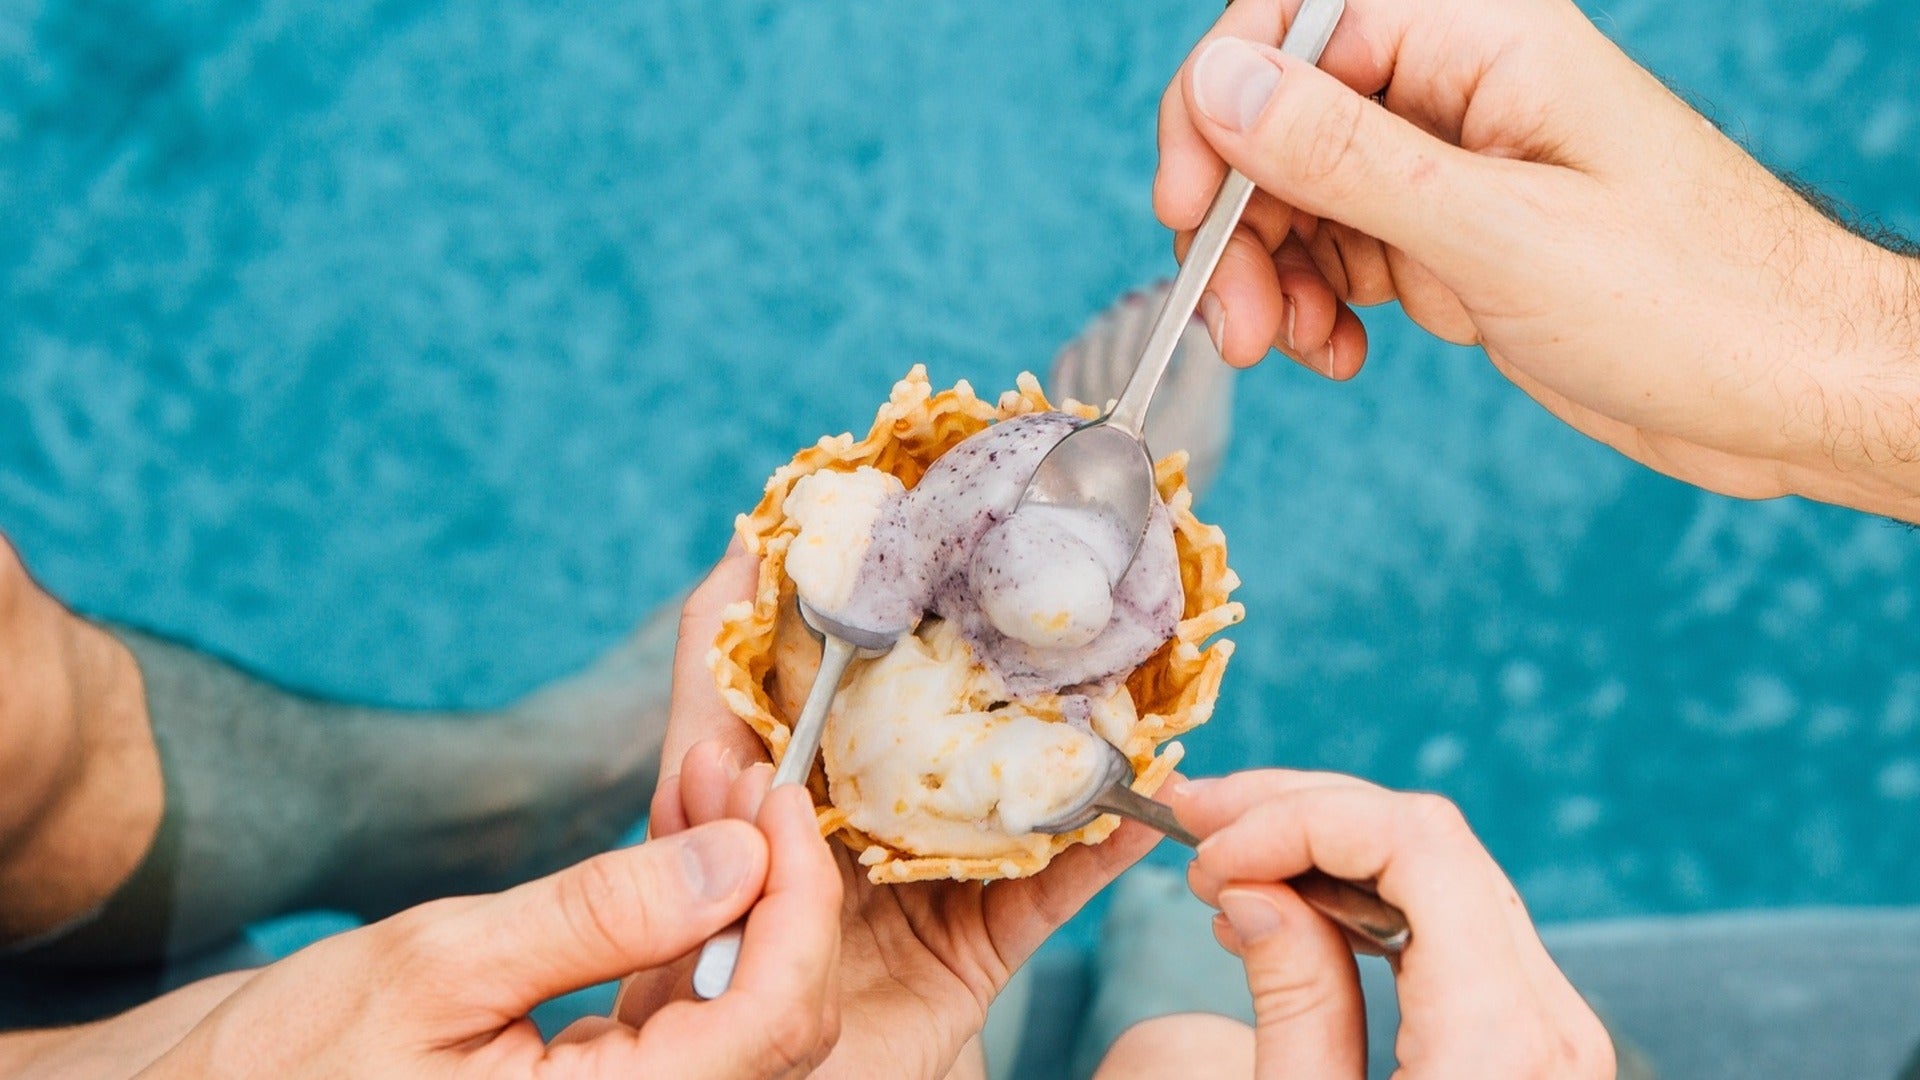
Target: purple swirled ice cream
(1046, 597)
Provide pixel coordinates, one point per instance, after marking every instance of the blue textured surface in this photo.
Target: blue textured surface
(412, 351)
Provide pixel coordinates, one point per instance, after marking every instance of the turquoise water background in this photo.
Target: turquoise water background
(412, 352)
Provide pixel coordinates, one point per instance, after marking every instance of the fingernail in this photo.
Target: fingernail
(761, 780)
(1320, 360)
(714, 861)
(1188, 789)
(730, 764)
(1232, 82)
(1253, 916)
(1215, 317)
(1291, 313)
(1224, 934)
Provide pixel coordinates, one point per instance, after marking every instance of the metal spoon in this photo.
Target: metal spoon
(840, 644)
(1103, 466)
(1352, 907)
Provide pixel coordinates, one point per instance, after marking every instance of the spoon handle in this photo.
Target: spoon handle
(1306, 39)
(713, 972)
(797, 763)
(1355, 909)
(1128, 803)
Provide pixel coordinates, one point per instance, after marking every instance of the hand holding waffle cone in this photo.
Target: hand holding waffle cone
(764, 660)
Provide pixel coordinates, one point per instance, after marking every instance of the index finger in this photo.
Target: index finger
(1210, 803)
(1417, 850)
(697, 711)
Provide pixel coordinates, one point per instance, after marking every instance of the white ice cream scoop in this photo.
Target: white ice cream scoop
(1355, 909)
(1102, 468)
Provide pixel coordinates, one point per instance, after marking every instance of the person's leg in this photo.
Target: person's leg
(1157, 958)
(80, 789)
(275, 801)
(1183, 1046)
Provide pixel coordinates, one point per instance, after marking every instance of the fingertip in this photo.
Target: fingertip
(1224, 934)
(1189, 171)
(787, 814)
(707, 773)
(1204, 886)
(666, 815)
(1187, 788)
(749, 791)
(790, 804)
(1347, 345)
(1249, 313)
(1340, 355)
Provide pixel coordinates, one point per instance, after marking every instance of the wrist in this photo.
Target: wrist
(1867, 454)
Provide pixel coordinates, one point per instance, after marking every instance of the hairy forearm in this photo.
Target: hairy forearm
(1868, 416)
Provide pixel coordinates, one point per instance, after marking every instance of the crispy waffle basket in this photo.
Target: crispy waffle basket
(764, 660)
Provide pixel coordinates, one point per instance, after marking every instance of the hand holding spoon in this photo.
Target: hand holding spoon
(1352, 907)
(840, 644)
(1102, 467)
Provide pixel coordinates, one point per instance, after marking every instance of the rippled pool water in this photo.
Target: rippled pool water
(413, 351)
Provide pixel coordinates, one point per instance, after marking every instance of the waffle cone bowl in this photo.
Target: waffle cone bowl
(764, 659)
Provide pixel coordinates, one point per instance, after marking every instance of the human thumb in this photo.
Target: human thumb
(1309, 139)
(607, 917)
(1309, 1017)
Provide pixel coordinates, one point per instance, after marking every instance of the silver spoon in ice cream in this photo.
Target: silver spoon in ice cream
(1102, 471)
(1352, 907)
(840, 644)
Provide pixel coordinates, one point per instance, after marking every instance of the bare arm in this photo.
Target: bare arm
(121, 1046)
(1522, 185)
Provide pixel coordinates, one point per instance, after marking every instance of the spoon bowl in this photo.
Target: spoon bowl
(1102, 470)
(866, 643)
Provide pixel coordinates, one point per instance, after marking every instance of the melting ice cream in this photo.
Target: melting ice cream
(1044, 596)
(980, 723)
(922, 753)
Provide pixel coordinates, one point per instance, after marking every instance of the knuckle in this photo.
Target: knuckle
(1287, 992)
(1328, 143)
(420, 940)
(1434, 816)
(796, 1039)
(604, 902)
(1528, 1051)
(1547, 1050)
(1587, 1050)
(828, 1038)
